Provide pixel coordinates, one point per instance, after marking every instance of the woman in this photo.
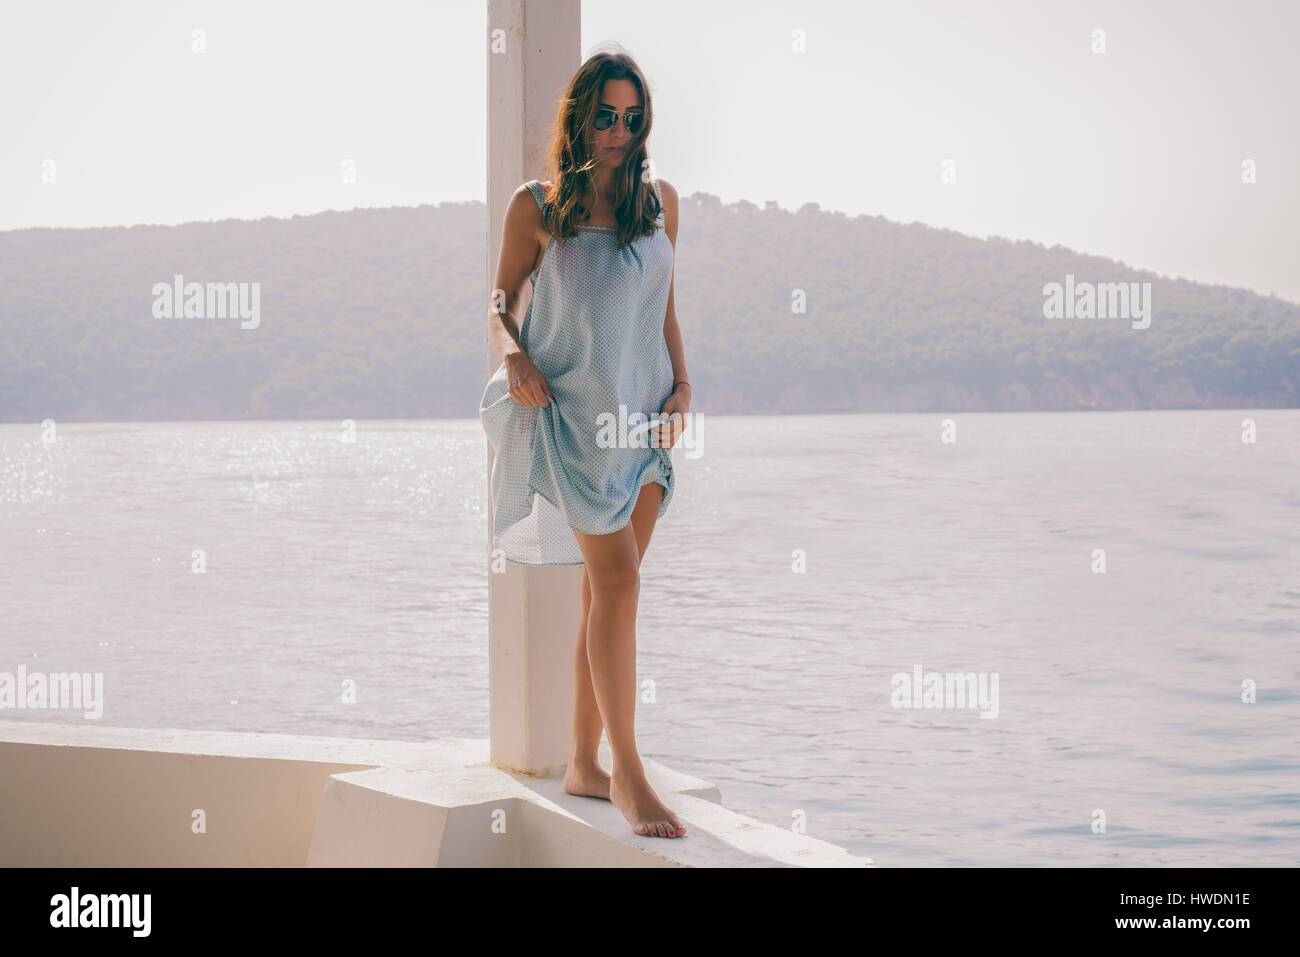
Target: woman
(570, 483)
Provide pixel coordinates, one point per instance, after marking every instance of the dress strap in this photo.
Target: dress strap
(539, 192)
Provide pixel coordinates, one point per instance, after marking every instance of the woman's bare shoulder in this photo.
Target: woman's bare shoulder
(669, 195)
(525, 214)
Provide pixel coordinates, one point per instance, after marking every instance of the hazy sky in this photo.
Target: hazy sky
(1133, 154)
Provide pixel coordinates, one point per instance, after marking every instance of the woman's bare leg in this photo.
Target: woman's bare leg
(584, 775)
(613, 573)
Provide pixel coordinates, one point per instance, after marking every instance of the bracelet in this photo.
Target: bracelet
(682, 382)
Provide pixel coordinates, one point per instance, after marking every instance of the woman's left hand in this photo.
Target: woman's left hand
(675, 411)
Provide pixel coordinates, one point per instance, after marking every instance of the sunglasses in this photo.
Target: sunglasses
(607, 118)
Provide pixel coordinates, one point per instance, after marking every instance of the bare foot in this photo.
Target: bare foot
(588, 780)
(648, 815)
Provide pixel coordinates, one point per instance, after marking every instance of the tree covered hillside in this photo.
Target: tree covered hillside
(379, 313)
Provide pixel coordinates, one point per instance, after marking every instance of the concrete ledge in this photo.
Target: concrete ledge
(715, 836)
(92, 796)
(468, 817)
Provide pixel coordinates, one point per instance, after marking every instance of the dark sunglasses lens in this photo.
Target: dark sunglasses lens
(603, 119)
(633, 122)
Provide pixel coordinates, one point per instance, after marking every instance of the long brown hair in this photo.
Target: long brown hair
(636, 205)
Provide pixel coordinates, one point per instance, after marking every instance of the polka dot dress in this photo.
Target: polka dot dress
(594, 328)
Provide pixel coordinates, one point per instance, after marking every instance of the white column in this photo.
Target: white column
(532, 610)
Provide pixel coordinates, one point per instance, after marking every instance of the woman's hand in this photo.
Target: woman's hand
(674, 410)
(525, 381)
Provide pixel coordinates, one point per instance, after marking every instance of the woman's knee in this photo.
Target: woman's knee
(619, 583)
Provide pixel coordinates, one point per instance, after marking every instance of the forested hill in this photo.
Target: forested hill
(380, 313)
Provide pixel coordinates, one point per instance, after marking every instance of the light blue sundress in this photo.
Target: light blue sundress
(594, 328)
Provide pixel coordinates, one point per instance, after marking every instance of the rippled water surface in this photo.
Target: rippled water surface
(1118, 692)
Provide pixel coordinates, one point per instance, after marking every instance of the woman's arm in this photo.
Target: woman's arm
(519, 246)
(672, 331)
(519, 249)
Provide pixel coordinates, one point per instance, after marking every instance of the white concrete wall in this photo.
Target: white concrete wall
(74, 795)
(89, 796)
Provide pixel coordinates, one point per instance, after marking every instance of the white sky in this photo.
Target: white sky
(1134, 154)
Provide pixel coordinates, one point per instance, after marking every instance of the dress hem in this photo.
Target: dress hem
(663, 507)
